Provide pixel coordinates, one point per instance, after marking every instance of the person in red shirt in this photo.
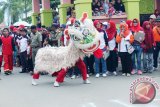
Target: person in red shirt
(147, 46)
(7, 42)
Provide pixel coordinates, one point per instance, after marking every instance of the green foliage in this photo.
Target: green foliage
(16, 8)
(146, 6)
(1, 16)
(28, 19)
(55, 3)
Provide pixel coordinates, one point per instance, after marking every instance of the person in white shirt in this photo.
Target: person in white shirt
(124, 40)
(112, 60)
(23, 44)
(104, 47)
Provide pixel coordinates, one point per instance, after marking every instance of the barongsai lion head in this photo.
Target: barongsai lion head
(84, 35)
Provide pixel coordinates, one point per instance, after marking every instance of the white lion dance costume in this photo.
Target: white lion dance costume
(84, 41)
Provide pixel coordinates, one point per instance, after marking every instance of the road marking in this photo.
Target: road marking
(91, 104)
(121, 103)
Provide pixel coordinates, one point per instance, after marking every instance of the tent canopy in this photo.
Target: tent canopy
(21, 23)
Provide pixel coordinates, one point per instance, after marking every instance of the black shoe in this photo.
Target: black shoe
(6, 73)
(145, 71)
(22, 72)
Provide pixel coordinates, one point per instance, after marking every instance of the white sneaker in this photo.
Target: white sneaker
(128, 75)
(73, 77)
(97, 75)
(115, 73)
(104, 75)
(155, 69)
(87, 76)
(56, 84)
(107, 73)
(34, 82)
(86, 81)
(124, 74)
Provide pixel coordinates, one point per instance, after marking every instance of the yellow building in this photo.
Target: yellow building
(134, 9)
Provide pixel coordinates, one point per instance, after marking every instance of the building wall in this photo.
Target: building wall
(147, 6)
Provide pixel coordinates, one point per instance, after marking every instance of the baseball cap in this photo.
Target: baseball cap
(152, 16)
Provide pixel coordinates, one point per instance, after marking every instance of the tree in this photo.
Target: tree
(27, 6)
(15, 8)
(1, 16)
(55, 3)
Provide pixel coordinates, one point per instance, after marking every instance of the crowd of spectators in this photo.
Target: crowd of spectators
(107, 7)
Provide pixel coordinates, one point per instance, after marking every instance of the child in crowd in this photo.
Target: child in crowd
(23, 50)
(111, 10)
(106, 6)
(7, 42)
(46, 43)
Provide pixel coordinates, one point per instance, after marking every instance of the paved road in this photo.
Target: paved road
(16, 91)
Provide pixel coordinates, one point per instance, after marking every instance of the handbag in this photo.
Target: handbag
(130, 49)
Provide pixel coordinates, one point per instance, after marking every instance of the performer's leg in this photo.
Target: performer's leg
(82, 67)
(34, 78)
(60, 77)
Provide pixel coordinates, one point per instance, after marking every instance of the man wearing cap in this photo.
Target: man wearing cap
(152, 20)
(36, 41)
(156, 35)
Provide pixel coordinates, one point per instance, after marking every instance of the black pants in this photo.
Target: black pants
(112, 61)
(18, 61)
(29, 64)
(73, 71)
(126, 62)
(89, 61)
(156, 54)
(23, 57)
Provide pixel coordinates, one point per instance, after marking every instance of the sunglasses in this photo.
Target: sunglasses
(135, 22)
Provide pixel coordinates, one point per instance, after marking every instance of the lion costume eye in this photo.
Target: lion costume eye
(75, 38)
(85, 32)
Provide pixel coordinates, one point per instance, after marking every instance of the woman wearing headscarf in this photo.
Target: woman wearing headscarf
(112, 60)
(129, 23)
(104, 47)
(124, 40)
(136, 55)
(148, 47)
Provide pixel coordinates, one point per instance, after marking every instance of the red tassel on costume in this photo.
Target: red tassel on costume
(98, 53)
